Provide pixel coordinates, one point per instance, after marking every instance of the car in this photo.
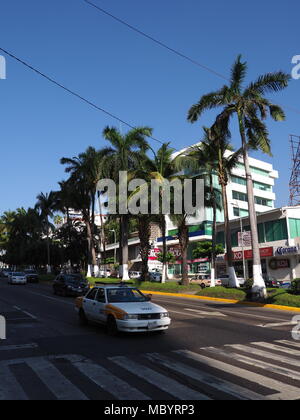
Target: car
(135, 274)
(272, 283)
(17, 278)
(123, 308)
(70, 285)
(204, 280)
(225, 280)
(155, 277)
(32, 276)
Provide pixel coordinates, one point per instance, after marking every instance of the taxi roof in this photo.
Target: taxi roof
(99, 284)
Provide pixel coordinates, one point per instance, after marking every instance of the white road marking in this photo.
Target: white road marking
(164, 383)
(245, 314)
(25, 312)
(106, 380)
(285, 392)
(270, 346)
(206, 378)
(289, 343)
(269, 367)
(205, 313)
(272, 356)
(52, 298)
(19, 347)
(60, 386)
(280, 324)
(10, 389)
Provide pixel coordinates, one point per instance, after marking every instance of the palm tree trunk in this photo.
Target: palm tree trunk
(214, 233)
(125, 234)
(231, 271)
(103, 235)
(164, 232)
(94, 257)
(48, 250)
(258, 281)
(184, 243)
(144, 235)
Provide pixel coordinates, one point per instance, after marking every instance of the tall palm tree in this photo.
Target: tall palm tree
(162, 167)
(85, 173)
(252, 108)
(46, 204)
(124, 154)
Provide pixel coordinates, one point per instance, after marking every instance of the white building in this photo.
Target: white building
(264, 177)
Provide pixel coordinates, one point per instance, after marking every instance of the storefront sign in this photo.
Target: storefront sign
(248, 255)
(287, 251)
(276, 264)
(153, 254)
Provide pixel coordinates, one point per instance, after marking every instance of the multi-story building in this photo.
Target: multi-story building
(279, 240)
(264, 177)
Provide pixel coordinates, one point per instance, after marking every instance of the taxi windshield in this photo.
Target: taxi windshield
(125, 295)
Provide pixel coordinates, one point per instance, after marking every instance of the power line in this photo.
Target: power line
(191, 60)
(71, 92)
(133, 28)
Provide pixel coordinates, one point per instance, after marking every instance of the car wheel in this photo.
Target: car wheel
(202, 286)
(112, 328)
(82, 318)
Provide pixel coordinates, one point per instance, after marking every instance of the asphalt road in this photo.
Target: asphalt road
(212, 351)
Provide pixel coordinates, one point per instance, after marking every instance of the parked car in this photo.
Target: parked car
(17, 278)
(122, 308)
(70, 285)
(135, 274)
(272, 283)
(32, 276)
(204, 280)
(103, 274)
(155, 277)
(225, 281)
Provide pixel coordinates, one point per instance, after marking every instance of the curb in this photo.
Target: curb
(237, 302)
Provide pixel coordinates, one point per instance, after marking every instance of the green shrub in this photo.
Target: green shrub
(295, 287)
(248, 285)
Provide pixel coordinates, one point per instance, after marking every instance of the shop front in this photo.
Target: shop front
(280, 263)
(195, 266)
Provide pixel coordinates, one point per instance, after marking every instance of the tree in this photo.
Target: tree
(123, 155)
(205, 250)
(162, 167)
(252, 108)
(180, 220)
(46, 204)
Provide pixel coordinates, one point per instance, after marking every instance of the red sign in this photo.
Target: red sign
(264, 252)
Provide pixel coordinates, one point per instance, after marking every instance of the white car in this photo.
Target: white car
(135, 274)
(225, 281)
(17, 278)
(122, 308)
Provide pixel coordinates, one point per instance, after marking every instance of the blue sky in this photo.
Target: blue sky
(130, 77)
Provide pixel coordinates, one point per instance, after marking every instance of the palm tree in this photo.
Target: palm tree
(85, 173)
(124, 155)
(46, 204)
(252, 108)
(162, 167)
(180, 220)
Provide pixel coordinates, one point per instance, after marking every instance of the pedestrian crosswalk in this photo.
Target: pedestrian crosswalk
(252, 371)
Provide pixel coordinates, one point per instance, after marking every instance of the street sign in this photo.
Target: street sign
(245, 239)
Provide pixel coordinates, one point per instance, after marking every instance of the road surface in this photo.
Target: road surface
(213, 351)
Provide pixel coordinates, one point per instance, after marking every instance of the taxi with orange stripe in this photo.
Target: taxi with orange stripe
(121, 307)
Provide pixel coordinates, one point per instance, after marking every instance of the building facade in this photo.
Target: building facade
(279, 239)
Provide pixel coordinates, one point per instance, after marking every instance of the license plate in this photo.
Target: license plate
(152, 325)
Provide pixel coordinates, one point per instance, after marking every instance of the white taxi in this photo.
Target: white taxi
(122, 308)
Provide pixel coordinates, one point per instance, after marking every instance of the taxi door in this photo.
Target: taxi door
(99, 306)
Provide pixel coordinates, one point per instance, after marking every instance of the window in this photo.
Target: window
(236, 195)
(276, 230)
(101, 296)
(92, 294)
(263, 202)
(238, 180)
(262, 187)
(294, 228)
(236, 212)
